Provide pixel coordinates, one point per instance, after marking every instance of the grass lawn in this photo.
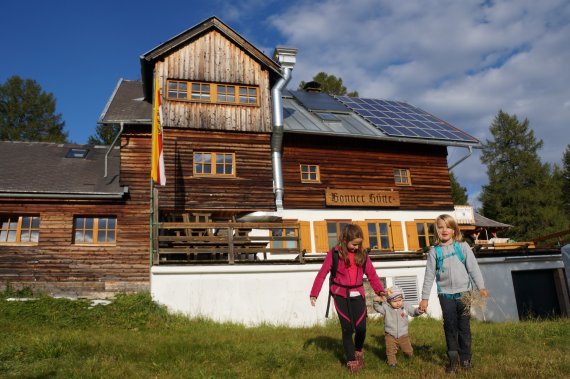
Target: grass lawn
(134, 338)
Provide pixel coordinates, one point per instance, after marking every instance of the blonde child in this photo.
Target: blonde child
(396, 311)
(348, 292)
(452, 264)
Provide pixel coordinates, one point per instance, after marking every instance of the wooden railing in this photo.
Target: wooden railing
(231, 242)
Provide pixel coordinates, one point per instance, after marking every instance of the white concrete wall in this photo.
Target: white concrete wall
(279, 294)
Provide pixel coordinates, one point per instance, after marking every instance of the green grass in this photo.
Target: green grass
(135, 338)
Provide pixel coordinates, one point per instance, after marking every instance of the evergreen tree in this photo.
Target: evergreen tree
(330, 84)
(521, 189)
(565, 178)
(28, 114)
(458, 192)
(105, 134)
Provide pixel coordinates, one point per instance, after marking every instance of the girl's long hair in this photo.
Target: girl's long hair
(450, 223)
(351, 232)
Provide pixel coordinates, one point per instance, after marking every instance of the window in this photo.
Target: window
(212, 92)
(379, 235)
(402, 177)
(333, 231)
(287, 232)
(215, 164)
(310, 173)
(19, 229)
(95, 230)
(425, 233)
(77, 153)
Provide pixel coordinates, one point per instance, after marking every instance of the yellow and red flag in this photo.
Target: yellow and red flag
(157, 172)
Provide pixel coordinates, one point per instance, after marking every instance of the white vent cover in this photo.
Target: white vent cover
(408, 284)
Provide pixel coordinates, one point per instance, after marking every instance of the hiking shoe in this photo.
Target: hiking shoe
(393, 365)
(466, 365)
(359, 355)
(353, 366)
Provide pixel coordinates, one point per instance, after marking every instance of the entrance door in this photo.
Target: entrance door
(536, 294)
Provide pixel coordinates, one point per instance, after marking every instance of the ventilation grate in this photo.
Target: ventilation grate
(408, 284)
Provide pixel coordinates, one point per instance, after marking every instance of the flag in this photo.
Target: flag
(157, 172)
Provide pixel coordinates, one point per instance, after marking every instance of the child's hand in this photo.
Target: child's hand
(421, 311)
(379, 299)
(423, 305)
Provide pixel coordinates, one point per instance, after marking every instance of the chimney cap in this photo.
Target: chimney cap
(286, 56)
(312, 86)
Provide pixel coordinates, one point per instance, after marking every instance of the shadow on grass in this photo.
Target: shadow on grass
(423, 352)
(334, 345)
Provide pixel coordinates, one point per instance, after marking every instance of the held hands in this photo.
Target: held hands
(423, 306)
(313, 300)
(379, 299)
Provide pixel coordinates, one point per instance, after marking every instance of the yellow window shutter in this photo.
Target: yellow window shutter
(365, 240)
(305, 234)
(412, 236)
(321, 238)
(397, 236)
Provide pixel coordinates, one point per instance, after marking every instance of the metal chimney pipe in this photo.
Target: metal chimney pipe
(287, 57)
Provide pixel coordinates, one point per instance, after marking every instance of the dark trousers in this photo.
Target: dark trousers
(352, 315)
(456, 325)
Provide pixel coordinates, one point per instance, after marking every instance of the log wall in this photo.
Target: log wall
(355, 164)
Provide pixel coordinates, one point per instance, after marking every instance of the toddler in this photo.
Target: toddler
(395, 312)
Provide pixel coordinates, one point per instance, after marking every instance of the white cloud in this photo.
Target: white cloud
(461, 60)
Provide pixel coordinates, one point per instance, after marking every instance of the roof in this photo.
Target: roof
(149, 58)
(484, 222)
(42, 170)
(127, 104)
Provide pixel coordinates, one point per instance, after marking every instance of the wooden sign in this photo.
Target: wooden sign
(350, 198)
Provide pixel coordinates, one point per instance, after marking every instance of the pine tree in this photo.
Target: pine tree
(330, 84)
(105, 134)
(458, 192)
(521, 189)
(566, 181)
(28, 114)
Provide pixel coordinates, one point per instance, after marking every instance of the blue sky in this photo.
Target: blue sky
(460, 60)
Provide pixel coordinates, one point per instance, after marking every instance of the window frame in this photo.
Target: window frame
(425, 238)
(19, 229)
(400, 174)
(307, 166)
(339, 224)
(214, 164)
(378, 235)
(95, 230)
(214, 92)
(284, 233)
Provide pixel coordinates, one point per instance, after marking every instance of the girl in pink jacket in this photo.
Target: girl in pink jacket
(347, 291)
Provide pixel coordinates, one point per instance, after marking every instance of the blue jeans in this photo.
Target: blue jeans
(456, 325)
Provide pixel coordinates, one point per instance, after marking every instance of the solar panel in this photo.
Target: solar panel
(319, 101)
(396, 118)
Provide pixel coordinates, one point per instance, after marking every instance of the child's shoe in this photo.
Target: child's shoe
(360, 357)
(466, 365)
(393, 365)
(353, 366)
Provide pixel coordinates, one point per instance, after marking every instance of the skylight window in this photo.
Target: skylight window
(76, 153)
(325, 116)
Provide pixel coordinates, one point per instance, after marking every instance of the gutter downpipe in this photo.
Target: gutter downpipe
(287, 58)
(112, 145)
(462, 159)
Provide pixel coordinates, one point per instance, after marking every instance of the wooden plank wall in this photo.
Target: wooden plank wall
(56, 265)
(347, 163)
(250, 190)
(213, 58)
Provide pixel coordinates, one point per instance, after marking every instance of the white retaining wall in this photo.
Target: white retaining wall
(278, 294)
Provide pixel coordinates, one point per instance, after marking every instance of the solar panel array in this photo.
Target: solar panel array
(399, 119)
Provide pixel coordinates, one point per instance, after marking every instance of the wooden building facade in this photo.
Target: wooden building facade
(225, 132)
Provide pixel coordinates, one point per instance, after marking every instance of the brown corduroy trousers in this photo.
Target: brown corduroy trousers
(392, 345)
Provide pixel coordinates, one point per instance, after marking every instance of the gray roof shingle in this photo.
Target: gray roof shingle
(41, 169)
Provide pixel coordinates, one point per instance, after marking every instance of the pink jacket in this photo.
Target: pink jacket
(343, 278)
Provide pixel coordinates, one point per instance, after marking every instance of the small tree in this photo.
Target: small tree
(521, 189)
(330, 84)
(458, 192)
(28, 114)
(565, 174)
(105, 134)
